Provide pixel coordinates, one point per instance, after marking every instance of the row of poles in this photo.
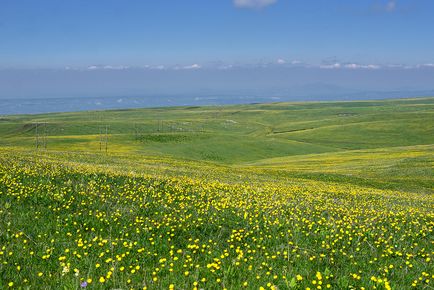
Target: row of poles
(41, 137)
(41, 134)
(164, 127)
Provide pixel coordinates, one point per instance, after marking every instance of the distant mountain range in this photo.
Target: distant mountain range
(310, 92)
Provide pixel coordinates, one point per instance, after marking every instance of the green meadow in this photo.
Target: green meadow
(384, 143)
(308, 195)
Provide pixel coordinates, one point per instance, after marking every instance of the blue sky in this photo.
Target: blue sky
(53, 33)
(272, 40)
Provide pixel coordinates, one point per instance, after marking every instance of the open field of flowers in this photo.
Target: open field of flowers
(64, 227)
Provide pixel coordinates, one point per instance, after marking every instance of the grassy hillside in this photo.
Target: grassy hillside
(96, 223)
(409, 168)
(317, 139)
(234, 134)
(334, 195)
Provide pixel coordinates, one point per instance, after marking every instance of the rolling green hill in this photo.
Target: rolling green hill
(234, 134)
(332, 195)
(388, 142)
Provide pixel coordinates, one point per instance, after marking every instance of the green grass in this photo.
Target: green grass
(408, 168)
(361, 122)
(280, 196)
(248, 134)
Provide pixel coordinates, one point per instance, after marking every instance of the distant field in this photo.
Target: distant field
(263, 130)
(288, 136)
(265, 196)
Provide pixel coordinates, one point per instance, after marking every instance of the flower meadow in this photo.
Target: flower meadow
(72, 226)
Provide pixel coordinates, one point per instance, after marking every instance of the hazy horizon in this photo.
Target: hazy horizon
(230, 50)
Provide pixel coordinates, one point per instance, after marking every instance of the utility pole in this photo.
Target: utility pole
(136, 131)
(100, 127)
(45, 136)
(106, 137)
(37, 137)
(100, 139)
(103, 138)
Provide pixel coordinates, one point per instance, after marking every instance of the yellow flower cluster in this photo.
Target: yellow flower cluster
(64, 226)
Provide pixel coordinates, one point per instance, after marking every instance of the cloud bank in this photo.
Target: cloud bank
(279, 62)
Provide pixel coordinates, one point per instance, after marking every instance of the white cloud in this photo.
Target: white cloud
(326, 64)
(331, 66)
(395, 65)
(371, 66)
(115, 67)
(157, 67)
(108, 67)
(253, 3)
(338, 65)
(385, 6)
(424, 65)
(193, 66)
(225, 66)
(390, 6)
(352, 66)
(361, 66)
